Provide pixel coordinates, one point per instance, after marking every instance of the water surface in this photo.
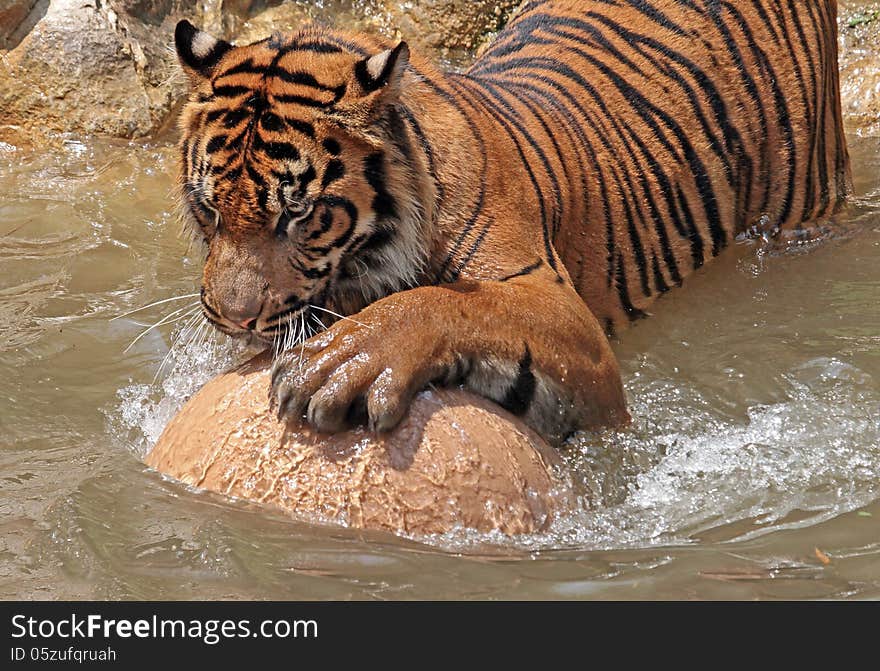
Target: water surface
(755, 393)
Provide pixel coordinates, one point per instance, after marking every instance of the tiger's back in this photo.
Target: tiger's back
(655, 132)
(490, 227)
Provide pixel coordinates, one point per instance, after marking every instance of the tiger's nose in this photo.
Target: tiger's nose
(245, 319)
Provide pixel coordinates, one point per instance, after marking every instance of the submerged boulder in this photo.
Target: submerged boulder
(455, 461)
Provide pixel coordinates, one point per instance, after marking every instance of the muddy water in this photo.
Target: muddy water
(756, 441)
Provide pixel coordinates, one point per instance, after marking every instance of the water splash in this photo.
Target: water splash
(145, 409)
(691, 470)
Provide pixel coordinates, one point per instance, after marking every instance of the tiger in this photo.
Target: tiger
(398, 226)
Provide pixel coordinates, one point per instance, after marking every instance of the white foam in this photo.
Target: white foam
(816, 453)
(145, 409)
(681, 469)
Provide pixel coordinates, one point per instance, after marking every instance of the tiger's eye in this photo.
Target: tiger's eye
(294, 213)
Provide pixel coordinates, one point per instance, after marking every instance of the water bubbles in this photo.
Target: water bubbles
(145, 409)
(684, 469)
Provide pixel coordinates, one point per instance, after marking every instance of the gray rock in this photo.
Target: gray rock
(108, 66)
(16, 20)
(859, 25)
(82, 69)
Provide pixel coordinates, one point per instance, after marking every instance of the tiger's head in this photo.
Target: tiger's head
(297, 172)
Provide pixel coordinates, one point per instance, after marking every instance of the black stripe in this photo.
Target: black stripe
(782, 115)
(211, 311)
(279, 151)
(317, 47)
(231, 91)
(260, 183)
(305, 178)
(226, 172)
(284, 313)
(646, 110)
(508, 121)
(213, 115)
(528, 270)
(444, 274)
(400, 137)
(245, 67)
(425, 145)
(234, 117)
(302, 78)
(306, 79)
(193, 156)
(819, 136)
(300, 126)
(598, 166)
(521, 393)
(659, 281)
(755, 96)
(335, 170)
(730, 135)
(697, 254)
(337, 201)
(623, 293)
(325, 221)
(272, 122)
(342, 239)
(629, 188)
(374, 172)
(201, 210)
(215, 143)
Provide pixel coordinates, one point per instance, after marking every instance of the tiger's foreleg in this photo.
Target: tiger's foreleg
(528, 343)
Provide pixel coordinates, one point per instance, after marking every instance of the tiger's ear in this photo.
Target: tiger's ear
(384, 70)
(198, 51)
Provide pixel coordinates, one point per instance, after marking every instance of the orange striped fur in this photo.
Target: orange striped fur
(488, 228)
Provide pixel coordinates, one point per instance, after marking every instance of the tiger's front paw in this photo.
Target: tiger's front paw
(354, 367)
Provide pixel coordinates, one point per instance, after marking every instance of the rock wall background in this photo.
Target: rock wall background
(859, 24)
(108, 66)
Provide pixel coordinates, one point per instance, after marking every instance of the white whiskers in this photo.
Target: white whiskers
(338, 316)
(170, 318)
(195, 322)
(165, 300)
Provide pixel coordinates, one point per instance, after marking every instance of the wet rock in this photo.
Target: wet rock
(86, 68)
(456, 460)
(14, 23)
(453, 28)
(450, 30)
(859, 41)
(108, 66)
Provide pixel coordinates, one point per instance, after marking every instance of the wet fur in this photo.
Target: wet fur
(507, 218)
